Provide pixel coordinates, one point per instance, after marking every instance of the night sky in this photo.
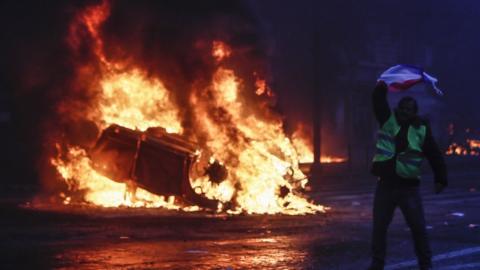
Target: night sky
(35, 64)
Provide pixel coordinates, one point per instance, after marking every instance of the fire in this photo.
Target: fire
(257, 150)
(131, 100)
(220, 50)
(262, 162)
(90, 20)
(471, 148)
(262, 87)
(304, 147)
(474, 143)
(102, 191)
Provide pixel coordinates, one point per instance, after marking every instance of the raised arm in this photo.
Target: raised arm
(381, 109)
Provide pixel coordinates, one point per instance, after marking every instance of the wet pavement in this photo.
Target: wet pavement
(83, 237)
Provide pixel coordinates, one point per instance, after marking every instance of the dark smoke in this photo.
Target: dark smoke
(170, 39)
(173, 39)
(34, 73)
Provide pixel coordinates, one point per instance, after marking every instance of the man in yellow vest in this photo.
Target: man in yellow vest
(404, 140)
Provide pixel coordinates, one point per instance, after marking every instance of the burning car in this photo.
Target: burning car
(208, 142)
(154, 160)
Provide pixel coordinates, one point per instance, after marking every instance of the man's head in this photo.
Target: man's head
(407, 109)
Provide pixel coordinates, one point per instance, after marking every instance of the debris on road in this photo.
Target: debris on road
(457, 214)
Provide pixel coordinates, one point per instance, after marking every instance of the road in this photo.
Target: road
(80, 237)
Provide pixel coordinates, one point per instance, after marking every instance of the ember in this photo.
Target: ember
(240, 157)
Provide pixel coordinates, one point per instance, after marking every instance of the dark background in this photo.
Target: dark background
(356, 41)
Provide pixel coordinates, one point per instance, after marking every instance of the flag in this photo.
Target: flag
(402, 77)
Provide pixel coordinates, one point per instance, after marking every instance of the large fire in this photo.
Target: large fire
(262, 161)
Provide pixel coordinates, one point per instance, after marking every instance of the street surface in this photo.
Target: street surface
(81, 237)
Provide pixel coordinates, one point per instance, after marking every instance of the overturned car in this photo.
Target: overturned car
(154, 160)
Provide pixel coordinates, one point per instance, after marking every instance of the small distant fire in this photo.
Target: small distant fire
(262, 162)
(469, 146)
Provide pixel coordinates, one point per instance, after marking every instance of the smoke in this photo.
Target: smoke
(171, 40)
(34, 75)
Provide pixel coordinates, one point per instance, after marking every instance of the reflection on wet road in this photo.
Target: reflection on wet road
(261, 253)
(68, 237)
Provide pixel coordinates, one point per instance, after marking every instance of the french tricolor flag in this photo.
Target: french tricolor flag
(402, 77)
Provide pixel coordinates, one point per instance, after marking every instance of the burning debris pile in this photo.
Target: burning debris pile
(145, 141)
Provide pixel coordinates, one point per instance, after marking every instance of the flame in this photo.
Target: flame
(470, 148)
(131, 100)
(220, 50)
(126, 97)
(262, 162)
(474, 143)
(79, 175)
(89, 21)
(256, 150)
(262, 88)
(304, 147)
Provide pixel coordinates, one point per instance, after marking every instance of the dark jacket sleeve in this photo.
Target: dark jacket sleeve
(435, 158)
(381, 109)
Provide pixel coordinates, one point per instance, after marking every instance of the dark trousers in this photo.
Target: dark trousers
(387, 198)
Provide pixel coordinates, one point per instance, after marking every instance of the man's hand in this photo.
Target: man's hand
(439, 187)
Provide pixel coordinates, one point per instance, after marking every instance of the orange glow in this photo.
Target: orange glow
(126, 97)
(90, 20)
(262, 162)
(220, 50)
(78, 173)
(132, 100)
(471, 148)
(262, 88)
(474, 143)
(256, 152)
(304, 147)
